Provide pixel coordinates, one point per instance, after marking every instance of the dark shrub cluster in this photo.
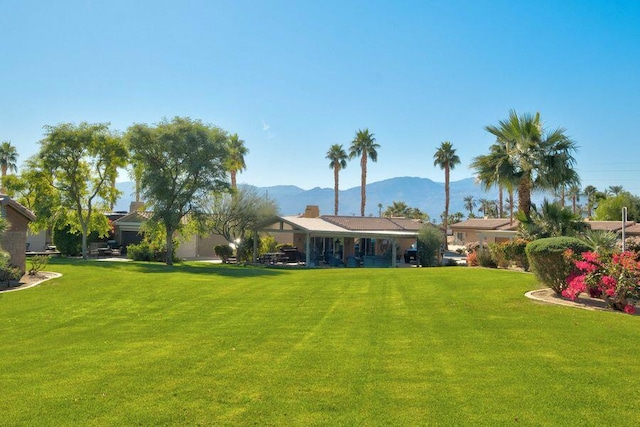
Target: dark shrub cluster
(550, 262)
(145, 251)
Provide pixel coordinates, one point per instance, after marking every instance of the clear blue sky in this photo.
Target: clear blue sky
(292, 78)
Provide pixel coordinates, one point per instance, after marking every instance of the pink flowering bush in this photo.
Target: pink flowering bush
(614, 278)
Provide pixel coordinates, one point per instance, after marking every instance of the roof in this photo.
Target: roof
(373, 223)
(8, 201)
(344, 226)
(614, 226)
(137, 216)
(632, 229)
(485, 224)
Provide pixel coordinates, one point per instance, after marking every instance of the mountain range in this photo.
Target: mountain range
(422, 193)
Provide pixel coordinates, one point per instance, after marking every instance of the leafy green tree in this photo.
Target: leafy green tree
(446, 158)
(337, 161)
(364, 145)
(537, 158)
(610, 209)
(76, 164)
(182, 161)
(235, 161)
(8, 159)
(235, 216)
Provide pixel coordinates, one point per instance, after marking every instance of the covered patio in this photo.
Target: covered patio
(345, 241)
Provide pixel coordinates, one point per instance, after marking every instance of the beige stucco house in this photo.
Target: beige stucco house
(14, 239)
(491, 230)
(325, 239)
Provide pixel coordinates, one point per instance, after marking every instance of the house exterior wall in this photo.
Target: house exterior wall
(37, 242)
(14, 240)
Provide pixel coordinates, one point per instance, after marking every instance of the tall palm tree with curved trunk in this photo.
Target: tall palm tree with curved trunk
(364, 145)
(496, 169)
(337, 161)
(446, 158)
(8, 159)
(540, 158)
(236, 162)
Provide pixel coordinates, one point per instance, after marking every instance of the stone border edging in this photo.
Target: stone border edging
(50, 275)
(548, 296)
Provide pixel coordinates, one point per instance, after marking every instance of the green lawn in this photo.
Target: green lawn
(197, 344)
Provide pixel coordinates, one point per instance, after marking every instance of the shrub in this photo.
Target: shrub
(10, 273)
(632, 244)
(244, 252)
(614, 278)
(499, 255)
(430, 241)
(223, 251)
(472, 259)
(472, 252)
(485, 259)
(268, 244)
(69, 242)
(38, 262)
(551, 262)
(515, 252)
(600, 241)
(146, 251)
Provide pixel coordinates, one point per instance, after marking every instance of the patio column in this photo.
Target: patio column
(255, 246)
(307, 250)
(393, 253)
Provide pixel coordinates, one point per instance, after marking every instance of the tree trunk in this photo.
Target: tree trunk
(169, 258)
(233, 179)
(336, 173)
(363, 183)
(500, 200)
(524, 195)
(510, 206)
(4, 173)
(446, 205)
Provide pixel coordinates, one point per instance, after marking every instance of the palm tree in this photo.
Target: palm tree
(614, 189)
(364, 145)
(446, 158)
(8, 159)
(338, 161)
(469, 204)
(496, 168)
(540, 158)
(397, 209)
(236, 162)
(574, 192)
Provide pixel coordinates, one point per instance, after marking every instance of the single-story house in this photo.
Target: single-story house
(14, 239)
(343, 240)
(127, 232)
(490, 230)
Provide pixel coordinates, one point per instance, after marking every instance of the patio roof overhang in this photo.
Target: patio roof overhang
(317, 227)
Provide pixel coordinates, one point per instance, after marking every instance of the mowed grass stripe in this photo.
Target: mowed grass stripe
(198, 344)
